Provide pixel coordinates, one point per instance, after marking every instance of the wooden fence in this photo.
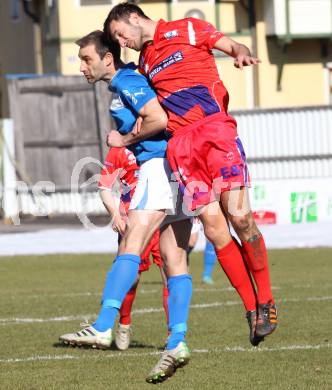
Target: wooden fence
(57, 121)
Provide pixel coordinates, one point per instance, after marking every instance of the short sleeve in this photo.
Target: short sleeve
(110, 172)
(128, 160)
(137, 92)
(202, 33)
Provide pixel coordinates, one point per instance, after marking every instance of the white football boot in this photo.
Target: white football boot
(122, 337)
(88, 336)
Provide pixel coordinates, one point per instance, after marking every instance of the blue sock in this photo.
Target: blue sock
(210, 258)
(118, 282)
(180, 290)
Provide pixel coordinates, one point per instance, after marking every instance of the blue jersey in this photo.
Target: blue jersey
(131, 92)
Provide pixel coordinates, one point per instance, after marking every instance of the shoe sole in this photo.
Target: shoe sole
(181, 362)
(265, 333)
(74, 344)
(159, 378)
(256, 340)
(121, 348)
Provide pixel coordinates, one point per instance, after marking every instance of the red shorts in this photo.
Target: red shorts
(207, 159)
(151, 249)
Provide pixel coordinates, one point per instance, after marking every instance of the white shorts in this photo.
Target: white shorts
(155, 190)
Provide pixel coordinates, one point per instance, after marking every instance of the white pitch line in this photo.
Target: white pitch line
(69, 295)
(144, 291)
(140, 291)
(197, 289)
(39, 358)
(274, 349)
(121, 355)
(309, 299)
(230, 303)
(6, 321)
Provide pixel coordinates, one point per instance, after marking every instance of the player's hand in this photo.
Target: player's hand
(114, 139)
(137, 126)
(119, 224)
(244, 60)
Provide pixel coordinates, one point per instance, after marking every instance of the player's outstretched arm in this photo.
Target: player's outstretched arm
(154, 120)
(240, 53)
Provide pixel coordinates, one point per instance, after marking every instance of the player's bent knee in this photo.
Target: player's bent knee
(211, 233)
(132, 242)
(175, 265)
(243, 224)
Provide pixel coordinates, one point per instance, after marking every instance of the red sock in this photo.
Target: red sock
(165, 303)
(255, 255)
(125, 310)
(231, 261)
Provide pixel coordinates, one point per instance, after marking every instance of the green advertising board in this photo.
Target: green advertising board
(303, 207)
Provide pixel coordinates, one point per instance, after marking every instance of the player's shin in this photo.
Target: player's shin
(118, 282)
(165, 303)
(180, 291)
(230, 259)
(127, 304)
(255, 255)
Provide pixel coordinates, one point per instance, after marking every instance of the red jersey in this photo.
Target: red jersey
(120, 168)
(181, 68)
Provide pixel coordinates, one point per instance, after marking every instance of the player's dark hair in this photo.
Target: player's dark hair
(102, 44)
(122, 11)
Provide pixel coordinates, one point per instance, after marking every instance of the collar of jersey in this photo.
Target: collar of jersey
(156, 33)
(129, 66)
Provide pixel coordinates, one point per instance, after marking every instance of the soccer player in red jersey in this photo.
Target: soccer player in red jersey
(204, 151)
(120, 173)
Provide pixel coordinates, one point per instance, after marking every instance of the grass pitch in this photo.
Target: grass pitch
(43, 297)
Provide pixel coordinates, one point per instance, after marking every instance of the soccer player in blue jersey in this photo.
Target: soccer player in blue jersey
(153, 198)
